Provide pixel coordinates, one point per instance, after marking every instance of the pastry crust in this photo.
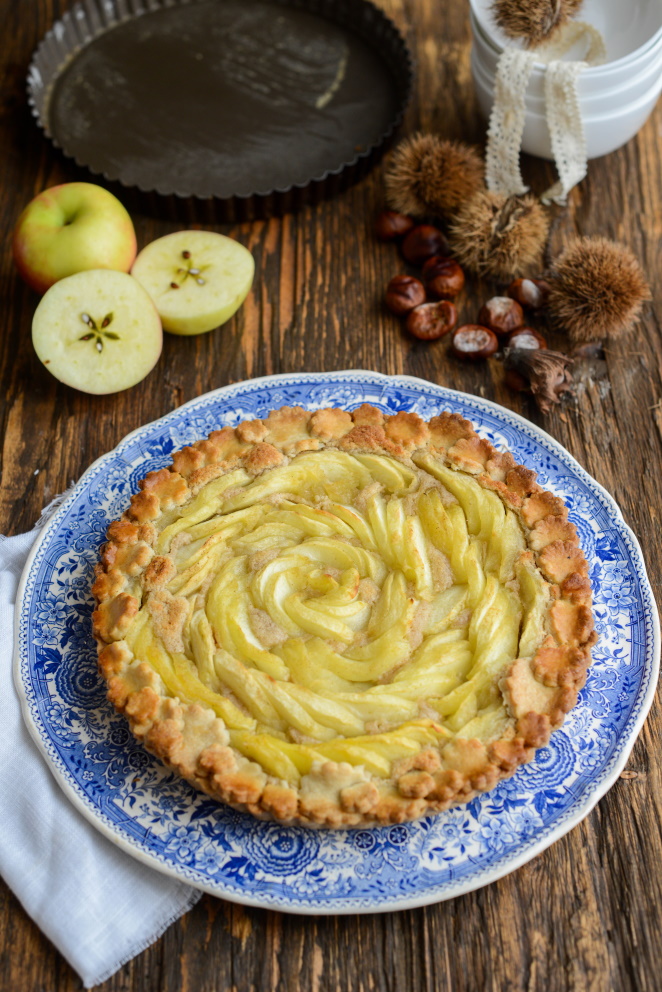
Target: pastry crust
(537, 568)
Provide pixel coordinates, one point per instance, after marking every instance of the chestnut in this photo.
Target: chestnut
(422, 242)
(403, 293)
(526, 337)
(432, 320)
(501, 314)
(391, 225)
(443, 277)
(530, 293)
(472, 342)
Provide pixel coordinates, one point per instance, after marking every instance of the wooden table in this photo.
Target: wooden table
(586, 914)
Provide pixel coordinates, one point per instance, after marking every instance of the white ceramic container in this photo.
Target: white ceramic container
(628, 26)
(594, 81)
(594, 100)
(604, 132)
(615, 98)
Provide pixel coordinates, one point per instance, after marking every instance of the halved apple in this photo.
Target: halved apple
(197, 279)
(97, 331)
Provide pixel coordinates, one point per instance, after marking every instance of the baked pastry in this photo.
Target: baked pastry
(337, 618)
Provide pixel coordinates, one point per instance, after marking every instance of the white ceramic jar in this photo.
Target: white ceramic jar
(616, 97)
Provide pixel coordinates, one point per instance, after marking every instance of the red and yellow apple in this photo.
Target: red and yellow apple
(72, 228)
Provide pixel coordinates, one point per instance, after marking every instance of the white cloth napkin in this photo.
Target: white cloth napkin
(97, 905)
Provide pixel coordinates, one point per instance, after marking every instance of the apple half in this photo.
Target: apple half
(197, 279)
(72, 228)
(97, 331)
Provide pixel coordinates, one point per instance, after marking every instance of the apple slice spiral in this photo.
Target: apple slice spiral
(359, 631)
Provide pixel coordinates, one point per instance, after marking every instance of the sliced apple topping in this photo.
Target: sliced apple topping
(318, 617)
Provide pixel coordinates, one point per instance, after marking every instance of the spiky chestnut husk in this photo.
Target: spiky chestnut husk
(547, 372)
(533, 21)
(597, 290)
(429, 176)
(501, 237)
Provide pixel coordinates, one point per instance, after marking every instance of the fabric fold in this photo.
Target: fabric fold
(97, 904)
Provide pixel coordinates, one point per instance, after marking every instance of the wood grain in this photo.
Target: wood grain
(586, 914)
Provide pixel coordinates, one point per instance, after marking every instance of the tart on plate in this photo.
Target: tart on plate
(337, 619)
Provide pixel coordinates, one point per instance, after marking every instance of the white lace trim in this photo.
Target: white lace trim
(566, 128)
(564, 118)
(507, 122)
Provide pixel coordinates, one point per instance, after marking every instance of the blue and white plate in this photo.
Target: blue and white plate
(133, 799)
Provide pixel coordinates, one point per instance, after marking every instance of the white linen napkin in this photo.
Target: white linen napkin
(98, 905)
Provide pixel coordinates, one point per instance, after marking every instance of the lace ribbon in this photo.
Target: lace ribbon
(562, 108)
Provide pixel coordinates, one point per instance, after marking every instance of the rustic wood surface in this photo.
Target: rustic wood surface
(584, 915)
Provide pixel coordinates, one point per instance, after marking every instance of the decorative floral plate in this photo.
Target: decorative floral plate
(155, 816)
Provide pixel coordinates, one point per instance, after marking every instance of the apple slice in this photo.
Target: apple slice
(197, 279)
(97, 331)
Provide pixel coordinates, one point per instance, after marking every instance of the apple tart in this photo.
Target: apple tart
(337, 618)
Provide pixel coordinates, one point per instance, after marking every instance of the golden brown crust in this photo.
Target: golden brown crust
(194, 741)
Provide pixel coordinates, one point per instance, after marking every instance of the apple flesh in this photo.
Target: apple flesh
(72, 228)
(197, 279)
(97, 331)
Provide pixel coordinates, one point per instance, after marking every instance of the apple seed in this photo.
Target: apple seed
(96, 332)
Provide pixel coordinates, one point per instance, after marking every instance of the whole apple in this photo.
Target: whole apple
(72, 228)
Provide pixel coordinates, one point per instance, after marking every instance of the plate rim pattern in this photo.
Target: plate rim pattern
(606, 775)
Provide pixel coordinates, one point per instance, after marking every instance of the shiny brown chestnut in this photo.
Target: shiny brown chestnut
(403, 293)
(471, 342)
(431, 321)
(443, 277)
(391, 225)
(501, 314)
(422, 243)
(526, 337)
(529, 293)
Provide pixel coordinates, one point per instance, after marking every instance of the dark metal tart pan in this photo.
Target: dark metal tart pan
(230, 99)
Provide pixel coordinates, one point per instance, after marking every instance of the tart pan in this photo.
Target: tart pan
(222, 98)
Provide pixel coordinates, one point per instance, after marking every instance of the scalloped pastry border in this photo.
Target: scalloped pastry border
(189, 737)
